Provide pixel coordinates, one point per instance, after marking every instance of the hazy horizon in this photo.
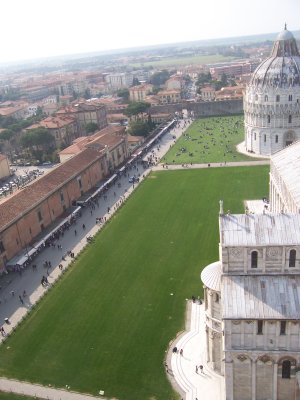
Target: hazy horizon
(67, 29)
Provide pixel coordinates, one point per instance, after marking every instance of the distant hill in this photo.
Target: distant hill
(197, 43)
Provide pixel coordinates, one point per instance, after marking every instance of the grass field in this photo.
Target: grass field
(12, 396)
(191, 60)
(107, 324)
(208, 140)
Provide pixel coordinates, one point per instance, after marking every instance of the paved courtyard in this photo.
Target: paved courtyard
(194, 384)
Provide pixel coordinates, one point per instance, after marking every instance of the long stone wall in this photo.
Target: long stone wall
(202, 109)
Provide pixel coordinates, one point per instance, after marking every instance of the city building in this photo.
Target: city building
(119, 80)
(63, 128)
(233, 69)
(252, 297)
(169, 96)
(4, 167)
(208, 93)
(272, 99)
(174, 83)
(85, 112)
(139, 92)
(112, 139)
(28, 212)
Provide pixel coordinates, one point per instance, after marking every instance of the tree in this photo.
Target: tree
(124, 93)
(91, 127)
(135, 108)
(39, 138)
(159, 78)
(7, 135)
(140, 128)
(87, 94)
(135, 82)
(224, 80)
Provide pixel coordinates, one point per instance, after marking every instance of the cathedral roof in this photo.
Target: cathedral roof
(211, 276)
(282, 68)
(253, 230)
(287, 164)
(261, 297)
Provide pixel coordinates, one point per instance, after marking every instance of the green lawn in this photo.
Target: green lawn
(210, 139)
(190, 60)
(12, 396)
(107, 323)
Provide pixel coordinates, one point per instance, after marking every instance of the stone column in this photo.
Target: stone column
(275, 371)
(253, 373)
(229, 379)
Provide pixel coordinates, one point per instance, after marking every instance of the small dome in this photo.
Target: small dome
(285, 35)
(211, 276)
(282, 68)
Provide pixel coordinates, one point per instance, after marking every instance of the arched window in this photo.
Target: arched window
(269, 119)
(290, 119)
(290, 97)
(286, 369)
(254, 257)
(277, 98)
(276, 139)
(266, 98)
(256, 97)
(217, 298)
(292, 258)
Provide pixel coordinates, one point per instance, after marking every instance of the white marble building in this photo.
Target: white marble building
(284, 180)
(272, 99)
(252, 302)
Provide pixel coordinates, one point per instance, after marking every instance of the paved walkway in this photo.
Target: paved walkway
(41, 392)
(195, 385)
(210, 165)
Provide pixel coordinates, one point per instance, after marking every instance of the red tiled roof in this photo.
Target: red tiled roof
(26, 199)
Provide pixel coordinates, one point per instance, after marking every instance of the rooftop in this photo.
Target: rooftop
(24, 200)
(261, 297)
(287, 163)
(259, 229)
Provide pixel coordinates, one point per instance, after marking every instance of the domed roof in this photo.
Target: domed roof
(211, 276)
(282, 68)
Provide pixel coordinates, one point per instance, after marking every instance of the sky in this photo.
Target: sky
(38, 28)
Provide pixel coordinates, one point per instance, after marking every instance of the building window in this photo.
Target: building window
(254, 135)
(290, 97)
(256, 97)
(259, 327)
(61, 196)
(269, 119)
(30, 231)
(277, 98)
(290, 119)
(79, 183)
(265, 138)
(286, 369)
(39, 216)
(266, 98)
(254, 257)
(276, 139)
(217, 298)
(282, 327)
(292, 258)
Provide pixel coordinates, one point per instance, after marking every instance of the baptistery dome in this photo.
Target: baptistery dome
(272, 97)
